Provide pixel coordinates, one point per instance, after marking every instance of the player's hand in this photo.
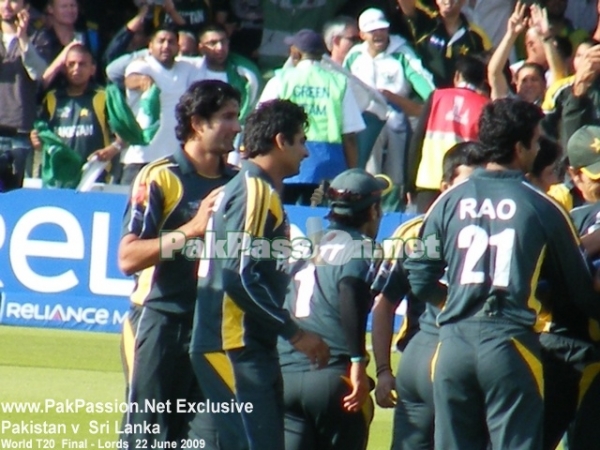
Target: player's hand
(385, 391)
(197, 226)
(36, 142)
(360, 388)
(313, 347)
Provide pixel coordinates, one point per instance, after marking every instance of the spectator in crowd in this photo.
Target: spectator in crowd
(542, 47)
(333, 115)
(77, 113)
(172, 78)
(530, 78)
(450, 116)
(170, 204)
(583, 15)
(340, 35)
(219, 63)
(189, 15)
(55, 40)
(490, 15)
(562, 26)
(133, 36)
(440, 37)
(247, 34)
(545, 170)
(388, 64)
(556, 94)
(283, 19)
(582, 102)
(22, 68)
(188, 45)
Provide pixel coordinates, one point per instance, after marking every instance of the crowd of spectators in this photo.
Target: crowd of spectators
(57, 56)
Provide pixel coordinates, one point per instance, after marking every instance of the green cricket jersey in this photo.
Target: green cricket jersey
(165, 195)
(314, 302)
(241, 292)
(499, 236)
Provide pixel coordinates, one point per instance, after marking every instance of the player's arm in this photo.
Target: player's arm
(566, 253)
(424, 273)
(382, 333)
(355, 302)
(244, 276)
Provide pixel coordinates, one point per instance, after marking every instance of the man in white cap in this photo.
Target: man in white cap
(389, 64)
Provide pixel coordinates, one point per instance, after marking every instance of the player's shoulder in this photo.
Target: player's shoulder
(408, 229)
(549, 210)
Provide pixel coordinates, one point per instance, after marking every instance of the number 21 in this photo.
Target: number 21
(476, 240)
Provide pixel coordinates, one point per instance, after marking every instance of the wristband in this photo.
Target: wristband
(357, 359)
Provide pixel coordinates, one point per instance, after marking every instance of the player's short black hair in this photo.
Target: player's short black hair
(472, 68)
(211, 27)
(504, 123)
(267, 121)
(202, 99)
(468, 153)
(549, 152)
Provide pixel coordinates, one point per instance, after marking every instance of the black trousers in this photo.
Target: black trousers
(155, 349)
(314, 415)
(488, 386)
(414, 412)
(248, 376)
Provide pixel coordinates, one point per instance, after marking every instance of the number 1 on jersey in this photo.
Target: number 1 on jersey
(477, 242)
(305, 286)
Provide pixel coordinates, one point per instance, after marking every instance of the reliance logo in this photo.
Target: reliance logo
(60, 313)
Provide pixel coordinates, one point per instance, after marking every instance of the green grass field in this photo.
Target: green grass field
(38, 364)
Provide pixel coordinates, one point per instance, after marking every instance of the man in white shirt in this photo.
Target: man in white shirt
(172, 78)
(387, 63)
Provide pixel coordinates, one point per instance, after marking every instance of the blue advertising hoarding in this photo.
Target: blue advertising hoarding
(58, 254)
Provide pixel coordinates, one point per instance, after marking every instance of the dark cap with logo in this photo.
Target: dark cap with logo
(583, 150)
(356, 189)
(307, 41)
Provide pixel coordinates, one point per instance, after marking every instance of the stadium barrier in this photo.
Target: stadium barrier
(58, 251)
